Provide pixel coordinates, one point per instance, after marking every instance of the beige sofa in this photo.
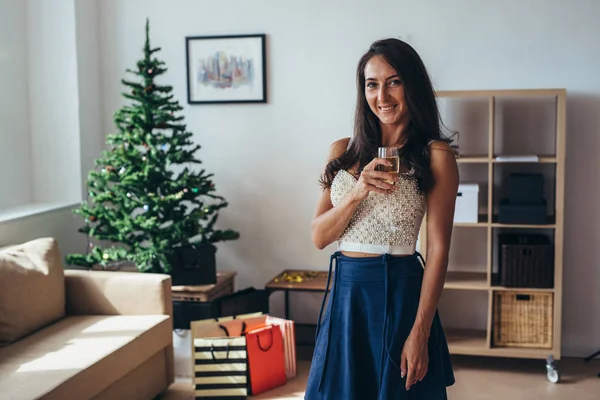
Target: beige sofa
(74, 334)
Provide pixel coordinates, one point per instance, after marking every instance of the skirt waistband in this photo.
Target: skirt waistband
(373, 269)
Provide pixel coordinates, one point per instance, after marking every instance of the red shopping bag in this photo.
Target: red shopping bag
(289, 342)
(266, 359)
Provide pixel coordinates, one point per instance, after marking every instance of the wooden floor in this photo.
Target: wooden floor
(477, 378)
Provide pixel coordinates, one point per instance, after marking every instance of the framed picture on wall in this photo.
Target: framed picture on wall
(226, 69)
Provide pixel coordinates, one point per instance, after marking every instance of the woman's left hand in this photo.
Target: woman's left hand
(415, 358)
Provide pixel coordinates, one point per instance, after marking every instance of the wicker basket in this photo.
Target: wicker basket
(522, 319)
(526, 261)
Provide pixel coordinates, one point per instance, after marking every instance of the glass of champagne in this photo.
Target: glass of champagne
(390, 154)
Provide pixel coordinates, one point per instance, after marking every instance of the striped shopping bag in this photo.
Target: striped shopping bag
(221, 368)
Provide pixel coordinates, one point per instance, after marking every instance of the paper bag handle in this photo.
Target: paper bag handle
(224, 328)
(270, 345)
(212, 352)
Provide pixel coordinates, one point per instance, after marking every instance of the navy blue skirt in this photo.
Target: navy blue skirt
(371, 310)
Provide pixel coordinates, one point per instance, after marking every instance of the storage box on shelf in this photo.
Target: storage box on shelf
(467, 203)
(522, 319)
(513, 162)
(525, 261)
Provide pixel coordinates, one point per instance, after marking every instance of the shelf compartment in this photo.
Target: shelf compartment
(468, 121)
(466, 280)
(466, 210)
(520, 122)
(502, 173)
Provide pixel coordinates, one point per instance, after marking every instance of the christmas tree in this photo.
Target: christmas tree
(143, 199)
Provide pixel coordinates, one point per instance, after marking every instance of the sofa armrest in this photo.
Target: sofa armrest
(117, 293)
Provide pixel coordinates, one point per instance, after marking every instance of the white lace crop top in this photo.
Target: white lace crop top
(369, 228)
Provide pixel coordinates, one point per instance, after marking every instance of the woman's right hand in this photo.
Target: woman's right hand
(371, 180)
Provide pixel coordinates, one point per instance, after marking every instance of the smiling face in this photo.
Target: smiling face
(384, 92)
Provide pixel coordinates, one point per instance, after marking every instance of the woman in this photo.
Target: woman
(380, 336)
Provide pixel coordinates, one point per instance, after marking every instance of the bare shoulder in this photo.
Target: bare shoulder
(443, 163)
(338, 148)
(441, 145)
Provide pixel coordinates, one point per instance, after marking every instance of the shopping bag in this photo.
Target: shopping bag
(266, 359)
(289, 341)
(220, 357)
(221, 367)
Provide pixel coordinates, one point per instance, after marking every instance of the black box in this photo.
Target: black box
(522, 213)
(194, 265)
(526, 188)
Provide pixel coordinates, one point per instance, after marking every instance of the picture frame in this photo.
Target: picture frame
(226, 69)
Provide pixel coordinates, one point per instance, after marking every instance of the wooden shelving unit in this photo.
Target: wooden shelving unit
(478, 341)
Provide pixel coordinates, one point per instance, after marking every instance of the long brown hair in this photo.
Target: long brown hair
(425, 122)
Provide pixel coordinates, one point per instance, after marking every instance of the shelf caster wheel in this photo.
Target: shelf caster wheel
(551, 371)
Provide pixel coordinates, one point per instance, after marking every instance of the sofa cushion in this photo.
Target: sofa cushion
(80, 356)
(32, 288)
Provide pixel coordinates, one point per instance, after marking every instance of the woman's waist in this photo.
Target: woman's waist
(377, 268)
(355, 248)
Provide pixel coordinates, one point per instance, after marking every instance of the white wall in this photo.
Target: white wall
(54, 101)
(267, 158)
(15, 140)
(65, 81)
(91, 135)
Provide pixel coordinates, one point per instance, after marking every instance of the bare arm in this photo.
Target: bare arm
(440, 215)
(329, 221)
